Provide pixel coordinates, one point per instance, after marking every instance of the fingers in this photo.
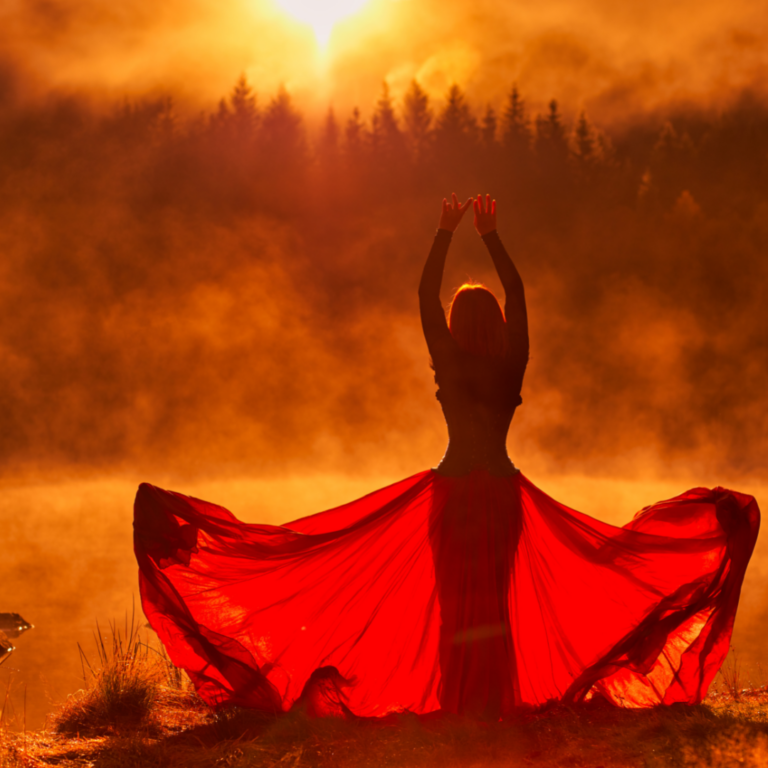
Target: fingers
(479, 204)
(483, 206)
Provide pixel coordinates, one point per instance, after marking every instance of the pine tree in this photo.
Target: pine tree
(241, 119)
(489, 128)
(243, 102)
(456, 127)
(354, 138)
(282, 132)
(551, 143)
(232, 141)
(516, 128)
(387, 143)
(222, 113)
(329, 139)
(587, 152)
(236, 120)
(584, 141)
(417, 116)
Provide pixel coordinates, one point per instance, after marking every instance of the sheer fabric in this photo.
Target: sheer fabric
(474, 595)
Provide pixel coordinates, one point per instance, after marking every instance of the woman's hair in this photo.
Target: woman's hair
(476, 321)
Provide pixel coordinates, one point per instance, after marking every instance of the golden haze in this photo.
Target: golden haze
(175, 309)
(611, 58)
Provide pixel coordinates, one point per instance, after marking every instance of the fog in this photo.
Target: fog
(210, 284)
(613, 59)
(235, 293)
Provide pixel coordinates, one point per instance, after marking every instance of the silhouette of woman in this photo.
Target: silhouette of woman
(479, 361)
(465, 588)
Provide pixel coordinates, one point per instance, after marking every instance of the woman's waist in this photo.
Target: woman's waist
(463, 457)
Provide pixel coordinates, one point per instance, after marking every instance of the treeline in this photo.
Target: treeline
(246, 154)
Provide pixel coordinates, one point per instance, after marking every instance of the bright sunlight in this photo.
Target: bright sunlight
(321, 16)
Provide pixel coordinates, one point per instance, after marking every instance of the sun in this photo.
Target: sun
(321, 15)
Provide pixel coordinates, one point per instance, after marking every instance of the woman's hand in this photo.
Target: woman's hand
(485, 215)
(452, 213)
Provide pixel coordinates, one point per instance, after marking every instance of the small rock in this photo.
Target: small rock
(13, 625)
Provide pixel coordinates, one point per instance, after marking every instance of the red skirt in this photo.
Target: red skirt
(473, 595)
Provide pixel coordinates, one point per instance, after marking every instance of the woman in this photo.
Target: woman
(463, 589)
(479, 360)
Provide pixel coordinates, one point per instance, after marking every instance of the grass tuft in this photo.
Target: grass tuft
(126, 686)
(731, 676)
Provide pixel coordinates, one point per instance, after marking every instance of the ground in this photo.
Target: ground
(136, 709)
(178, 730)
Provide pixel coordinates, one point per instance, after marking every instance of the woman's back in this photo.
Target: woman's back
(478, 396)
(478, 392)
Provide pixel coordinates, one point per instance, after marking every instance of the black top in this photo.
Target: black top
(478, 393)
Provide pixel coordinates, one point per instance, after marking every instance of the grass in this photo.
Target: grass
(121, 686)
(137, 710)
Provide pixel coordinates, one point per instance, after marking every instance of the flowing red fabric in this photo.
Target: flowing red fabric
(474, 595)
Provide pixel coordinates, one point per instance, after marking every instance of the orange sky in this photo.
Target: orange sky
(611, 58)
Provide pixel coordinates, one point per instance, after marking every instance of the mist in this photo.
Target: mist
(208, 279)
(235, 292)
(613, 60)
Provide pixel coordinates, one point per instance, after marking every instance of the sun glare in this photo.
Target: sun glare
(321, 16)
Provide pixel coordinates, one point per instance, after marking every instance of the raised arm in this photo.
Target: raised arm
(514, 310)
(433, 321)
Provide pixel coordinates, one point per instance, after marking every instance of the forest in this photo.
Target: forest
(235, 290)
